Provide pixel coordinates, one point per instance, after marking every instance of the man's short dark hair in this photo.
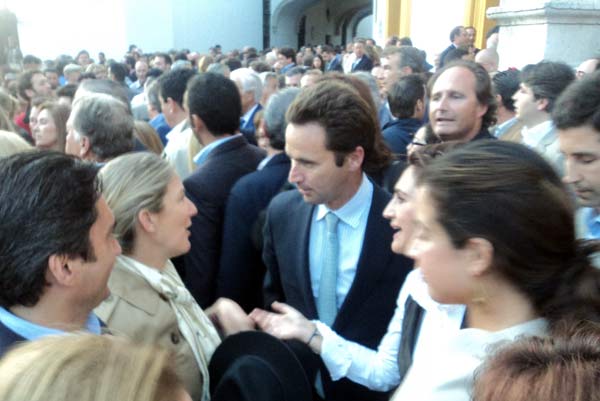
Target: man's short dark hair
(165, 56)
(328, 49)
(455, 32)
(119, 71)
(31, 59)
(67, 91)
(404, 94)
(483, 88)
(24, 83)
(233, 63)
(405, 41)
(216, 100)
(506, 84)
(47, 207)
(547, 80)
(579, 104)
(107, 122)
(274, 116)
(455, 54)
(173, 84)
(288, 52)
(349, 121)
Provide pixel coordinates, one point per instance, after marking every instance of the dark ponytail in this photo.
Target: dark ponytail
(577, 295)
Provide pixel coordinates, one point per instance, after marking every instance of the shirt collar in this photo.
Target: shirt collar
(246, 118)
(205, 151)
(32, 331)
(354, 209)
(177, 128)
(534, 135)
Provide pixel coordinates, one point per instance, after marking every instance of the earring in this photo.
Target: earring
(480, 295)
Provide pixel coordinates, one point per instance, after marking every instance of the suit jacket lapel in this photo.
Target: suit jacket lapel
(373, 260)
(303, 273)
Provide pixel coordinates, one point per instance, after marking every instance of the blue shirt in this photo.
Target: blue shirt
(205, 151)
(32, 331)
(351, 234)
(162, 128)
(592, 222)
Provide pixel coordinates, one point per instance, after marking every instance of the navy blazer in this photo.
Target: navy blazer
(208, 188)
(335, 64)
(249, 130)
(242, 270)
(8, 339)
(365, 64)
(371, 300)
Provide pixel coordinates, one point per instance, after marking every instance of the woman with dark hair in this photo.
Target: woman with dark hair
(498, 258)
(318, 63)
(496, 234)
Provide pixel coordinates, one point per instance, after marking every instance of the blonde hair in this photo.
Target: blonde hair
(130, 183)
(148, 136)
(11, 143)
(87, 367)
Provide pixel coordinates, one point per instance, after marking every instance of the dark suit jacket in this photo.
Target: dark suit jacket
(242, 270)
(335, 64)
(369, 305)
(444, 53)
(208, 187)
(365, 64)
(8, 338)
(248, 129)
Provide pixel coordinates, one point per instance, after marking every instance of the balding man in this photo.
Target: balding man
(588, 66)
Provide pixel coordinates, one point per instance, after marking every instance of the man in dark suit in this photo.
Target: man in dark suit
(351, 283)
(362, 62)
(332, 59)
(215, 107)
(56, 247)
(242, 270)
(459, 38)
(250, 87)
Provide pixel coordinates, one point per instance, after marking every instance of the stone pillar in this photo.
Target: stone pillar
(555, 30)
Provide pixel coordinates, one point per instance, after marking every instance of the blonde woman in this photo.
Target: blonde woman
(88, 368)
(11, 143)
(149, 302)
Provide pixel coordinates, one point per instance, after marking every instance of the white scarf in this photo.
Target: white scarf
(193, 323)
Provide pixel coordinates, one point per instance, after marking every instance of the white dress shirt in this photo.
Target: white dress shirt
(351, 233)
(378, 370)
(446, 369)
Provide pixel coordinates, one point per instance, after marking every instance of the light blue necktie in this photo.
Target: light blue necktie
(327, 302)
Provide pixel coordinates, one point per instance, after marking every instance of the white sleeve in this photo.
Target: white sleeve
(377, 370)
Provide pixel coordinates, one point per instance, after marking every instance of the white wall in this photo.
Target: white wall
(431, 23)
(49, 28)
(364, 29)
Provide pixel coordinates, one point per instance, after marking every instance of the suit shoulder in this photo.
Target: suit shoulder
(286, 200)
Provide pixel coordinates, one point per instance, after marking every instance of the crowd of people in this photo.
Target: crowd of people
(322, 224)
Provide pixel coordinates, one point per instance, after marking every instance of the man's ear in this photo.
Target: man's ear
(542, 104)
(197, 123)
(85, 147)
(481, 255)
(61, 270)
(355, 158)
